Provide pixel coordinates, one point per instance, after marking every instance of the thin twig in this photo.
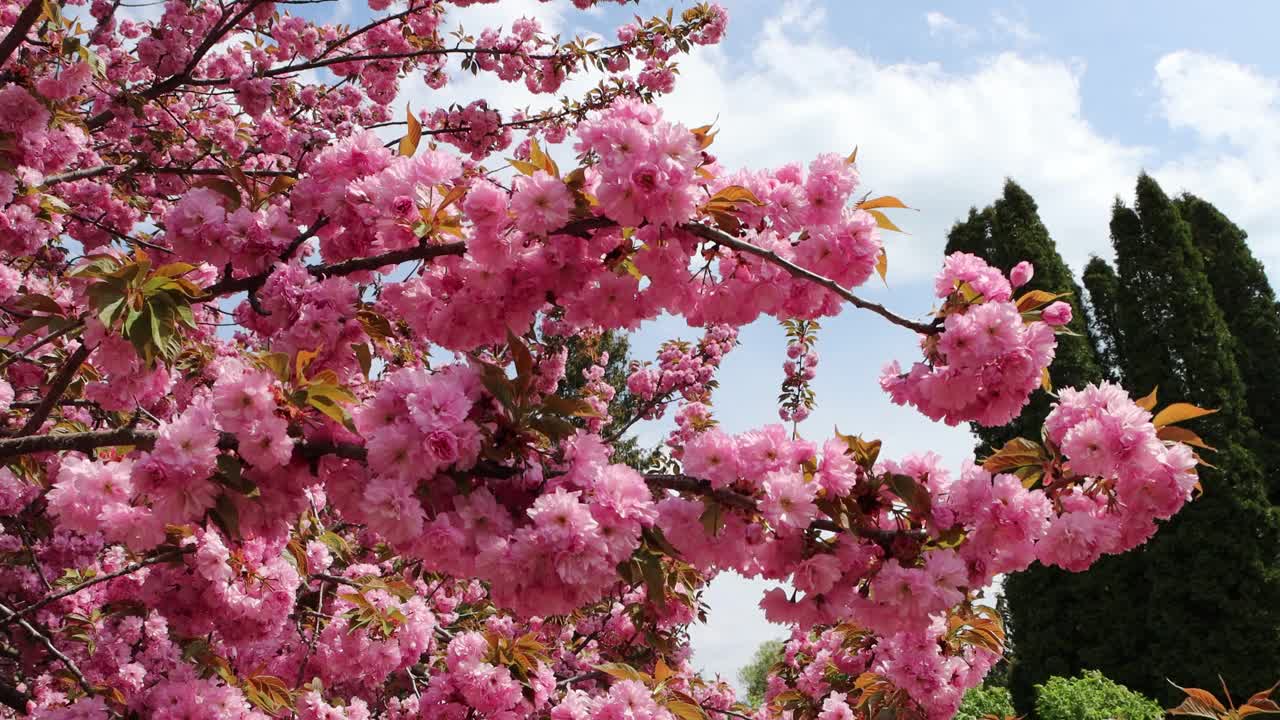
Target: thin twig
(706, 232)
(126, 570)
(22, 355)
(67, 662)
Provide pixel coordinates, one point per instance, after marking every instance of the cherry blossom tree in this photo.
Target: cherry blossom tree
(284, 426)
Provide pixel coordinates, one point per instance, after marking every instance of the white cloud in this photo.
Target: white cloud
(1233, 113)
(1018, 28)
(941, 26)
(941, 140)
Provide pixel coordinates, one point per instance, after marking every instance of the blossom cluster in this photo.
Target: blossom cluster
(985, 363)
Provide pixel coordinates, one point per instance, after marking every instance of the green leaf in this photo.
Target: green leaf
(36, 302)
(302, 361)
(623, 671)
(887, 201)
(569, 407)
(687, 711)
(277, 363)
(1035, 299)
(1018, 452)
(523, 360)
(526, 168)
(226, 516)
(655, 579)
(712, 517)
(231, 473)
(329, 407)
(542, 160)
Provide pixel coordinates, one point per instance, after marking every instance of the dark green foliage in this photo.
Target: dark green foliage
(1249, 307)
(1176, 333)
(1103, 288)
(1004, 234)
(1092, 697)
(1210, 579)
(625, 406)
(985, 700)
(1061, 622)
(755, 674)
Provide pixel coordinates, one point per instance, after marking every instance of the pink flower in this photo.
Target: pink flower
(713, 456)
(788, 501)
(541, 203)
(1021, 274)
(1057, 314)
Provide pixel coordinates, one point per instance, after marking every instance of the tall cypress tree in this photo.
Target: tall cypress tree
(1249, 306)
(1054, 624)
(1103, 287)
(1211, 578)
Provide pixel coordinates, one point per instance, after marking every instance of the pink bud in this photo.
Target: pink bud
(1021, 273)
(1057, 314)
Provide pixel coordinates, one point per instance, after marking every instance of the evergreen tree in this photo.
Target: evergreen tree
(1103, 287)
(1054, 624)
(755, 674)
(1249, 306)
(584, 353)
(1211, 577)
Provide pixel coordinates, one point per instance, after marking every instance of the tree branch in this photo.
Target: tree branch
(12, 615)
(18, 33)
(707, 232)
(578, 228)
(346, 267)
(26, 352)
(56, 389)
(67, 662)
(725, 496)
(81, 441)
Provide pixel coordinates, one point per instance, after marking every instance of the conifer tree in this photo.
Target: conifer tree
(1249, 307)
(1103, 288)
(1210, 576)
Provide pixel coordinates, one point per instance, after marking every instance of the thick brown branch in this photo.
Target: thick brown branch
(346, 267)
(81, 441)
(579, 228)
(81, 174)
(18, 33)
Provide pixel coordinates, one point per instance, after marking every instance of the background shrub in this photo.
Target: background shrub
(982, 701)
(1092, 697)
